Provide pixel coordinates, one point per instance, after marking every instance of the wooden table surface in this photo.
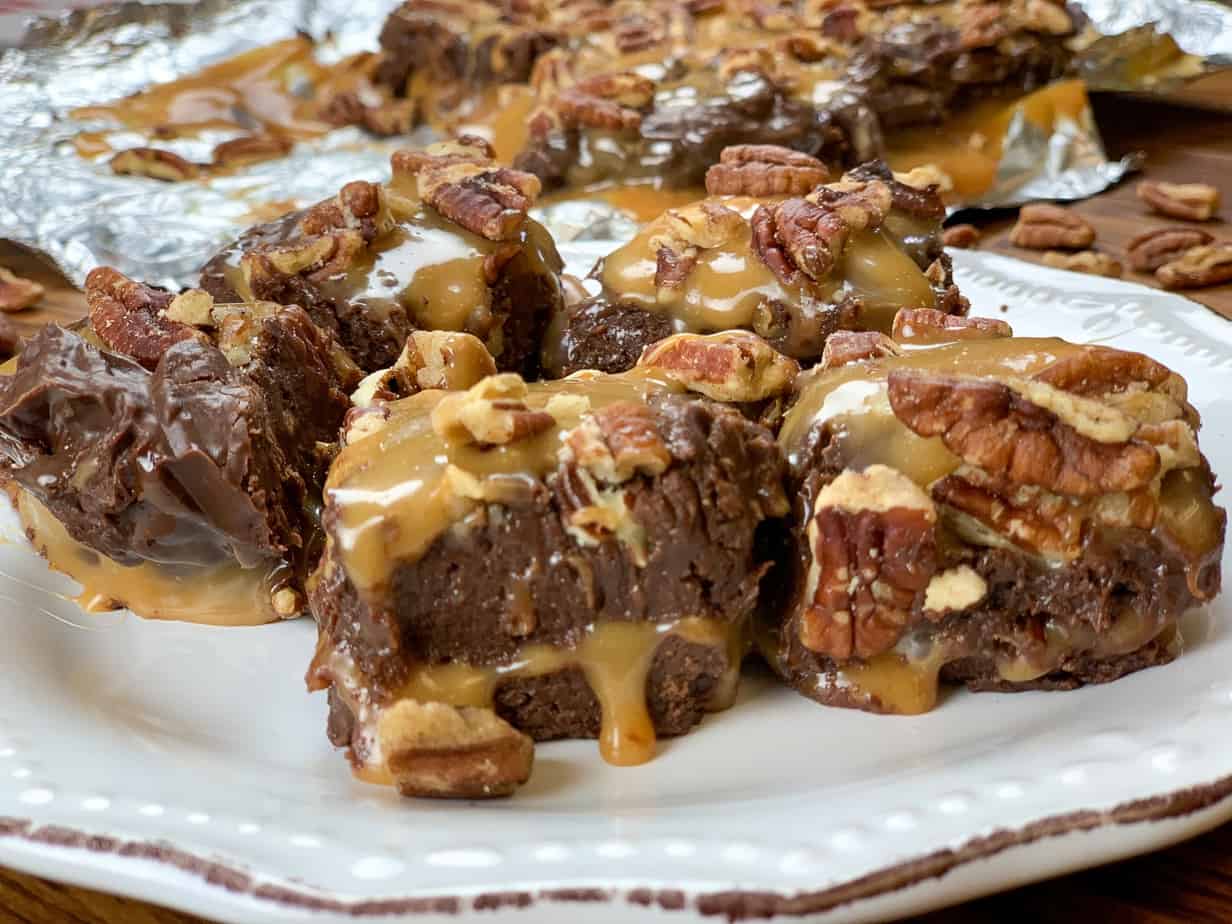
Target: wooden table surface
(1189, 883)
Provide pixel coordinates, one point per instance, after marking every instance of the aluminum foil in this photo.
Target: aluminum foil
(81, 215)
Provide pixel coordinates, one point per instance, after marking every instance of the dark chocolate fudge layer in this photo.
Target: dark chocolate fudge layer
(163, 444)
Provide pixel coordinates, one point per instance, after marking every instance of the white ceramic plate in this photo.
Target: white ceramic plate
(187, 765)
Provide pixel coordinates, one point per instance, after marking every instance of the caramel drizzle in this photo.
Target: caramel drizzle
(390, 493)
(616, 659)
(221, 595)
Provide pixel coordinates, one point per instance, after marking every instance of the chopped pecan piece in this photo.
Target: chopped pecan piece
(926, 176)
(983, 25)
(873, 546)
(129, 316)
(445, 359)
(678, 234)
(1046, 16)
(1198, 267)
(928, 325)
(734, 365)
(851, 346)
(250, 149)
(1032, 434)
(17, 293)
(764, 170)
(154, 163)
(357, 207)
(1091, 262)
(616, 442)
(961, 237)
(1190, 201)
(1152, 249)
(453, 752)
(612, 102)
(1049, 227)
(194, 307)
(491, 413)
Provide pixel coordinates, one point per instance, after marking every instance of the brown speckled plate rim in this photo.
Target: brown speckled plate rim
(733, 905)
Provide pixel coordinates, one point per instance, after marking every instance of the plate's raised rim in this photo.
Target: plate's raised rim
(731, 904)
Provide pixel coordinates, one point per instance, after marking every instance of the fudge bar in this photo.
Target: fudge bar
(167, 452)
(1005, 513)
(446, 245)
(518, 562)
(652, 91)
(775, 250)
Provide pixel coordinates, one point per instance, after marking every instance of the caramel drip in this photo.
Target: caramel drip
(616, 659)
(222, 595)
(258, 90)
(968, 146)
(727, 283)
(390, 494)
(1132, 630)
(500, 114)
(899, 685)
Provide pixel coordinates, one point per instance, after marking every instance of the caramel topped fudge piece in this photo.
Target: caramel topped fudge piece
(166, 454)
(793, 268)
(652, 90)
(580, 558)
(1007, 513)
(446, 245)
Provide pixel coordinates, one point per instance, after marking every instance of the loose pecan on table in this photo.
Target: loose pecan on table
(1190, 201)
(764, 170)
(1152, 249)
(872, 540)
(1042, 226)
(17, 293)
(1198, 267)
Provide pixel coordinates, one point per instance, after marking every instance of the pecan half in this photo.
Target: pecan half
(1198, 268)
(154, 163)
(1042, 436)
(1152, 249)
(734, 365)
(1091, 262)
(128, 316)
(798, 236)
(441, 751)
(856, 346)
(928, 325)
(491, 413)
(764, 170)
(612, 102)
(677, 235)
(1135, 383)
(873, 547)
(1048, 227)
(961, 237)
(616, 442)
(17, 293)
(250, 149)
(490, 201)
(1190, 201)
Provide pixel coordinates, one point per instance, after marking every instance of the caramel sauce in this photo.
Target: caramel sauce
(615, 657)
(968, 146)
(92, 144)
(900, 685)
(727, 283)
(266, 89)
(391, 493)
(499, 114)
(222, 595)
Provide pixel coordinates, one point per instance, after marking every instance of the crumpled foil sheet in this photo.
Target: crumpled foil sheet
(81, 215)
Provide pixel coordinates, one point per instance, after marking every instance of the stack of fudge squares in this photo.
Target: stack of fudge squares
(522, 509)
